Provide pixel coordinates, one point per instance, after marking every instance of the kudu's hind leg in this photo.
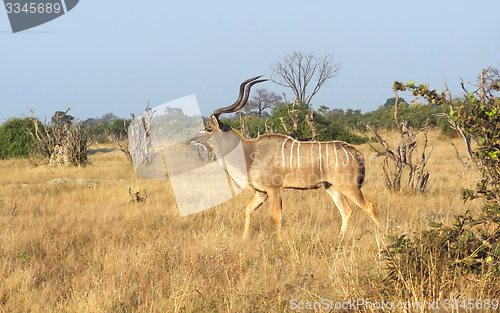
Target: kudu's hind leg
(275, 197)
(256, 201)
(341, 203)
(357, 196)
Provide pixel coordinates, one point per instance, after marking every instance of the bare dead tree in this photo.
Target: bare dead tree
(310, 123)
(299, 71)
(401, 157)
(62, 141)
(293, 114)
(78, 142)
(244, 129)
(139, 136)
(393, 172)
(121, 141)
(465, 136)
(45, 140)
(269, 128)
(422, 175)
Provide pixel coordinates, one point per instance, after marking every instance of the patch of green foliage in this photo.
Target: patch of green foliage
(470, 247)
(15, 138)
(330, 125)
(103, 130)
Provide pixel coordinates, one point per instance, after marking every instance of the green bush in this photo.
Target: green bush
(446, 129)
(468, 251)
(435, 261)
(15, 138)
(254, 125)
(330, 126)
(336, 132)
(102, 131)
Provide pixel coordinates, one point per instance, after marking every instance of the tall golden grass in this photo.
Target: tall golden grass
(71, 240)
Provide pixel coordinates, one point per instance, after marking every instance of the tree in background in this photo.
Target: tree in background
(15, 138)
(262, 100)
(290, 119)
(108, 118)
(61, 117)
(91, 122)
(106, 126)
(299, 71)
(392, 101)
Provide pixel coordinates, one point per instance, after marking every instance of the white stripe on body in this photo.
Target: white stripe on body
(327, 160)
(336, 158)
(283, 152)
(298, 156)
(320, 161)
(346, 156)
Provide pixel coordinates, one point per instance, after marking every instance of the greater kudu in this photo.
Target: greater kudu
(275, 161)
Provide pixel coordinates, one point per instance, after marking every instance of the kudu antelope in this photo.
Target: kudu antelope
(275, 161)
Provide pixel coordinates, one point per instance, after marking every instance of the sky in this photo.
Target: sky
(115, 56)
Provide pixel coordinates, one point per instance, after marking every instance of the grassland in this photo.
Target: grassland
(71, 240)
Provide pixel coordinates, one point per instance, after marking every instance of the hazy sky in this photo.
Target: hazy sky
(115, 56)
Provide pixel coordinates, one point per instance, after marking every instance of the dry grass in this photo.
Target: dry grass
(83, 246)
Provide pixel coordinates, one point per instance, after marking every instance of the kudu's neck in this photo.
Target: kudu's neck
(246, 144)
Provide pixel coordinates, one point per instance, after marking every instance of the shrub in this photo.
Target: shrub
(468, 251)
(336, 132)
(434, 262)
(15, 138)
(446, 128)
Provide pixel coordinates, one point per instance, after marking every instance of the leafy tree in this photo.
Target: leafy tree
(468, 249)
(323, 109)
(174, 112)
(290, 119)
(108, 118)
(391, 101)
(119, 126)
(337, 132)
(62, 117)
(253, 125)
(330, 125)
(90, 122)
(353, 119)
(15, 138)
